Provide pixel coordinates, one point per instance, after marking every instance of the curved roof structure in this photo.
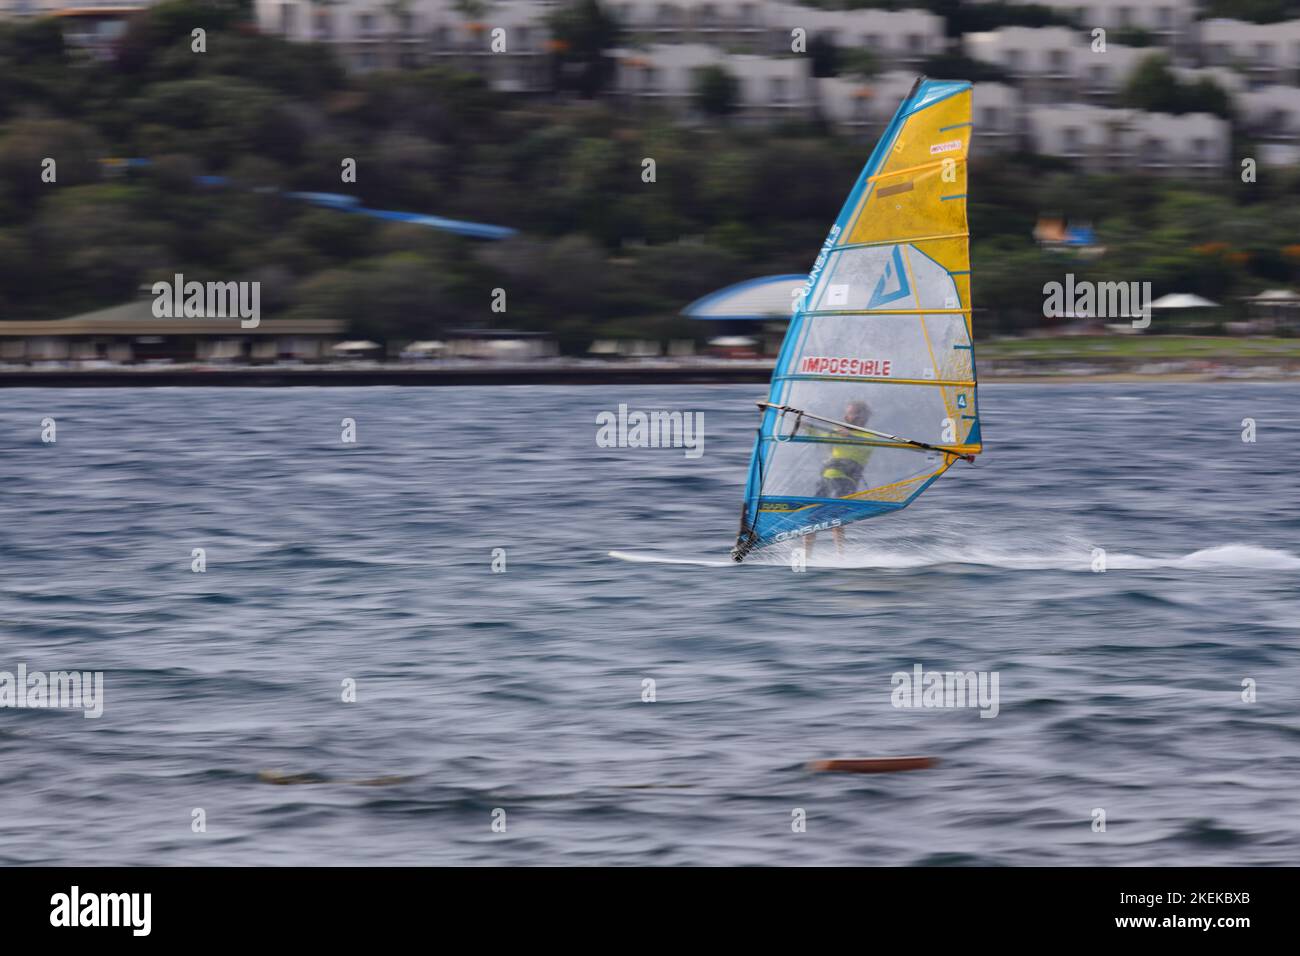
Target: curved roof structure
(768, 297)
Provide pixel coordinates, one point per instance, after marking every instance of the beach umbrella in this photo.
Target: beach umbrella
(1183, 300)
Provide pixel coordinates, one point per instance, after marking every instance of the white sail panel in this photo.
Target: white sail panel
(925, 347)
(883, 279)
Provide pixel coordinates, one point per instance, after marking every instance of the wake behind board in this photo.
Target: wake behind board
(643, 557)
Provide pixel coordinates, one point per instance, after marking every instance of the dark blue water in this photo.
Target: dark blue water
(522, 690)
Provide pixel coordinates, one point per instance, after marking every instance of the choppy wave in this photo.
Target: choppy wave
(451, 572)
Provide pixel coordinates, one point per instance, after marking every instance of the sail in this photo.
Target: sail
(880, 338)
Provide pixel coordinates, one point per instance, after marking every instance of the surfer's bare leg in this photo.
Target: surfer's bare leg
(838, 534)
(808, 541)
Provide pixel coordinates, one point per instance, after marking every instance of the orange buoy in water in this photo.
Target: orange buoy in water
(874, 764)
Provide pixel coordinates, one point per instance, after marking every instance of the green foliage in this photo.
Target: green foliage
(963, 16)
(387, 297)
(1257, 11)
(856, 61)
(582, 31)
(716, 92)
(1153, 87)
(955, 66)
(825, 56)
(979, 17)
(26, 143)
(600, 252)
(1133, 36)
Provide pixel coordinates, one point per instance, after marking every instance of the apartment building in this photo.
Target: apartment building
(1268, 53)
(1103, 74)
(371, 34)
(1270, 116)
(999, 118)
(505, 42)
(1106, 140)
(1196, 144)
(728, 24)
(1169, 23)
(768, 88)
(900, 38)
(1057, 64)
(1231, 82)
(897, 39)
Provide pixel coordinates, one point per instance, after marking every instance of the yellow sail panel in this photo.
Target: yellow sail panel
(920, 205)
(940, 130)
(901, 491)
(953, 255)
(920, 190)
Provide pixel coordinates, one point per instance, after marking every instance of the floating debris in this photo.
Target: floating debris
(873, 764)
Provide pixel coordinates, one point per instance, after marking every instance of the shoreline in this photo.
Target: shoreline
(612, 374)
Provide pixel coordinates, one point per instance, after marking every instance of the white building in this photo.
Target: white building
(1271, 116)
(1268, 52)
(1195, 144)
(730, 24)
(1104, 140)
(999, 118)
(768, 88)
(1057, 64)
(863, 106)
(896, 37)
(1103, 75)
(1230, 81)
(1040, 59)
(506, 43)
(1171, 23)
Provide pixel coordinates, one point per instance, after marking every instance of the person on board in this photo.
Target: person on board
(842, 470)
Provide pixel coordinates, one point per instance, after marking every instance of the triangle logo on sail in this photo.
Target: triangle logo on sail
(893, 273)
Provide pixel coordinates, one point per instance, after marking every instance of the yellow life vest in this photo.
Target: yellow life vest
(854, 458)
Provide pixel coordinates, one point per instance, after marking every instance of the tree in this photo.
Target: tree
(581, 33)
(1258, 11)
(955, 66)
(471, 9)
(1153, 87)
(857, 61)
(388, 298)
(825, 56)
(716, 92)
(28, 142)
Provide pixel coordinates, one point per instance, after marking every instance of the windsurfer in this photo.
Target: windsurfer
(842, 471)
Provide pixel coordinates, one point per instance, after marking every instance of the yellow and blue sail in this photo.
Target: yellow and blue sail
(884, 323)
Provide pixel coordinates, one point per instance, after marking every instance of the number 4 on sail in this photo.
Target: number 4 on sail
(873, 394)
